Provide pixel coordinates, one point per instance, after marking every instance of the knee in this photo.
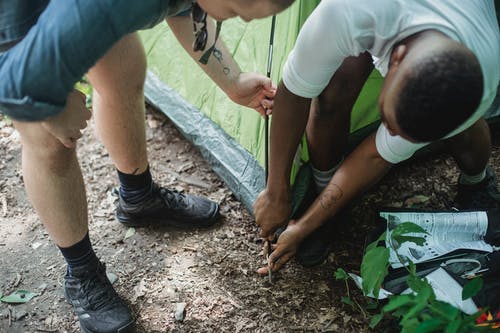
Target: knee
(39, 146)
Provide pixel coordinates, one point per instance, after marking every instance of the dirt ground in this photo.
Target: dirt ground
(211, 271)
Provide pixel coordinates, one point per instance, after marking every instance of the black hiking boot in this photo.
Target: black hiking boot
(96, 303)
(317, 246)
(168, 208)
(484, 195)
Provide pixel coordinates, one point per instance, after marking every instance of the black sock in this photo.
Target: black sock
(79, 254)
(134, 188)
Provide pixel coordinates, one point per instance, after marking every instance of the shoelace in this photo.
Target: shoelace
(99, 291)
(173, 199)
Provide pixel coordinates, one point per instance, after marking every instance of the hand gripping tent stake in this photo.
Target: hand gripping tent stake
(266, 132)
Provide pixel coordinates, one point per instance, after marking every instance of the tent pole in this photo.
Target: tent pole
(266, 132)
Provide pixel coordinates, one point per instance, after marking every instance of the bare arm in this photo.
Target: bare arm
(248, 89)
(361, 169)
(272, 207)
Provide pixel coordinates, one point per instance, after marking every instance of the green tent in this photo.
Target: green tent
(230, 137)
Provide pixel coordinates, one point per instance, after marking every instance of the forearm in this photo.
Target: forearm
(360, 170)
(288, 123)
(221, 66)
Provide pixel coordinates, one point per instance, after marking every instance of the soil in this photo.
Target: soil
(212, 272)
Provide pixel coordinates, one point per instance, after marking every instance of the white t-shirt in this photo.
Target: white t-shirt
(341, 28)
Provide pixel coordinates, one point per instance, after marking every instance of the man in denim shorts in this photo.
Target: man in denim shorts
(47, 47)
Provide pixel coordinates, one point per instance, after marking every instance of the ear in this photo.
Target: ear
(398, 55)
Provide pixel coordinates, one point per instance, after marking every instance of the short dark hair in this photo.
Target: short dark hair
(440, 92)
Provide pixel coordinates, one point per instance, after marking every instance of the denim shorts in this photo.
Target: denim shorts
(58, 41)
(16, 18)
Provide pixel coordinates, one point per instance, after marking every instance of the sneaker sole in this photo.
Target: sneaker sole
(147, 221)
(128, 328)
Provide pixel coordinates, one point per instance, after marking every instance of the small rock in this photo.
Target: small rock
(112, 277)
(180, 311)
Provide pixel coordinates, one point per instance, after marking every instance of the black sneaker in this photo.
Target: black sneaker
(484, 195)
(317, 246)
(168, 208)
(96, 303)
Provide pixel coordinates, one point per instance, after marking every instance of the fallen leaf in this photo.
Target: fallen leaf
(130, 232)
(415, 200)
(19, 296)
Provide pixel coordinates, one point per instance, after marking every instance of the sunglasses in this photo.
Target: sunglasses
(199, 17)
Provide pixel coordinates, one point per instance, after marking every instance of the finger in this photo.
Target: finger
(269, 93)
(263, 270)
(267, 103)
(76, 136)
(277, 264)
(87, 114)
(68, 142)
(261, 111)
(80, 95)
(264, 249)
(264, 233)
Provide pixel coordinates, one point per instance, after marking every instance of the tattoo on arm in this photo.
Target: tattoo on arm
(218, 55)
(330, 196)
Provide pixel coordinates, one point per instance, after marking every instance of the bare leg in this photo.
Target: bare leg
(329, 120)
(118, 81)
(471, 149)
(54, 184)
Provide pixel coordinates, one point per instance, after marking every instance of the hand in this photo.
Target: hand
(271, 213)
(284, 249)
(67, 125)
(254, 91)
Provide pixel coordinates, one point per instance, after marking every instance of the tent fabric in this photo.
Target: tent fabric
(231, 137)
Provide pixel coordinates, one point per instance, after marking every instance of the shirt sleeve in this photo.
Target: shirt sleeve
(393, 148)
(320, 49)
(68, 39)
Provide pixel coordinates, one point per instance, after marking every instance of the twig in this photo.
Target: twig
(46, 330)
(189, 180)
(3, 200)
(222, 259)
(10, 317)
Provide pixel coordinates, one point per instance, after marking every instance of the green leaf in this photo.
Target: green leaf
(376, 320)
(396, 302)
(374, 244)
(410, 325)
(453, 327)
(19, 296)
(347, 301)
(408, 227)
(471, 288)
(340, 274)
(444, 310)
(371, 305)
(374, 269)
(130, 232)
(412, 267)
(431, 325)
(416, 283)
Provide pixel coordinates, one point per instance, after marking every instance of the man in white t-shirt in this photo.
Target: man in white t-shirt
(441, 62)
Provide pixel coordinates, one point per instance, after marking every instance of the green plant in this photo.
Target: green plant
(419, 311)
